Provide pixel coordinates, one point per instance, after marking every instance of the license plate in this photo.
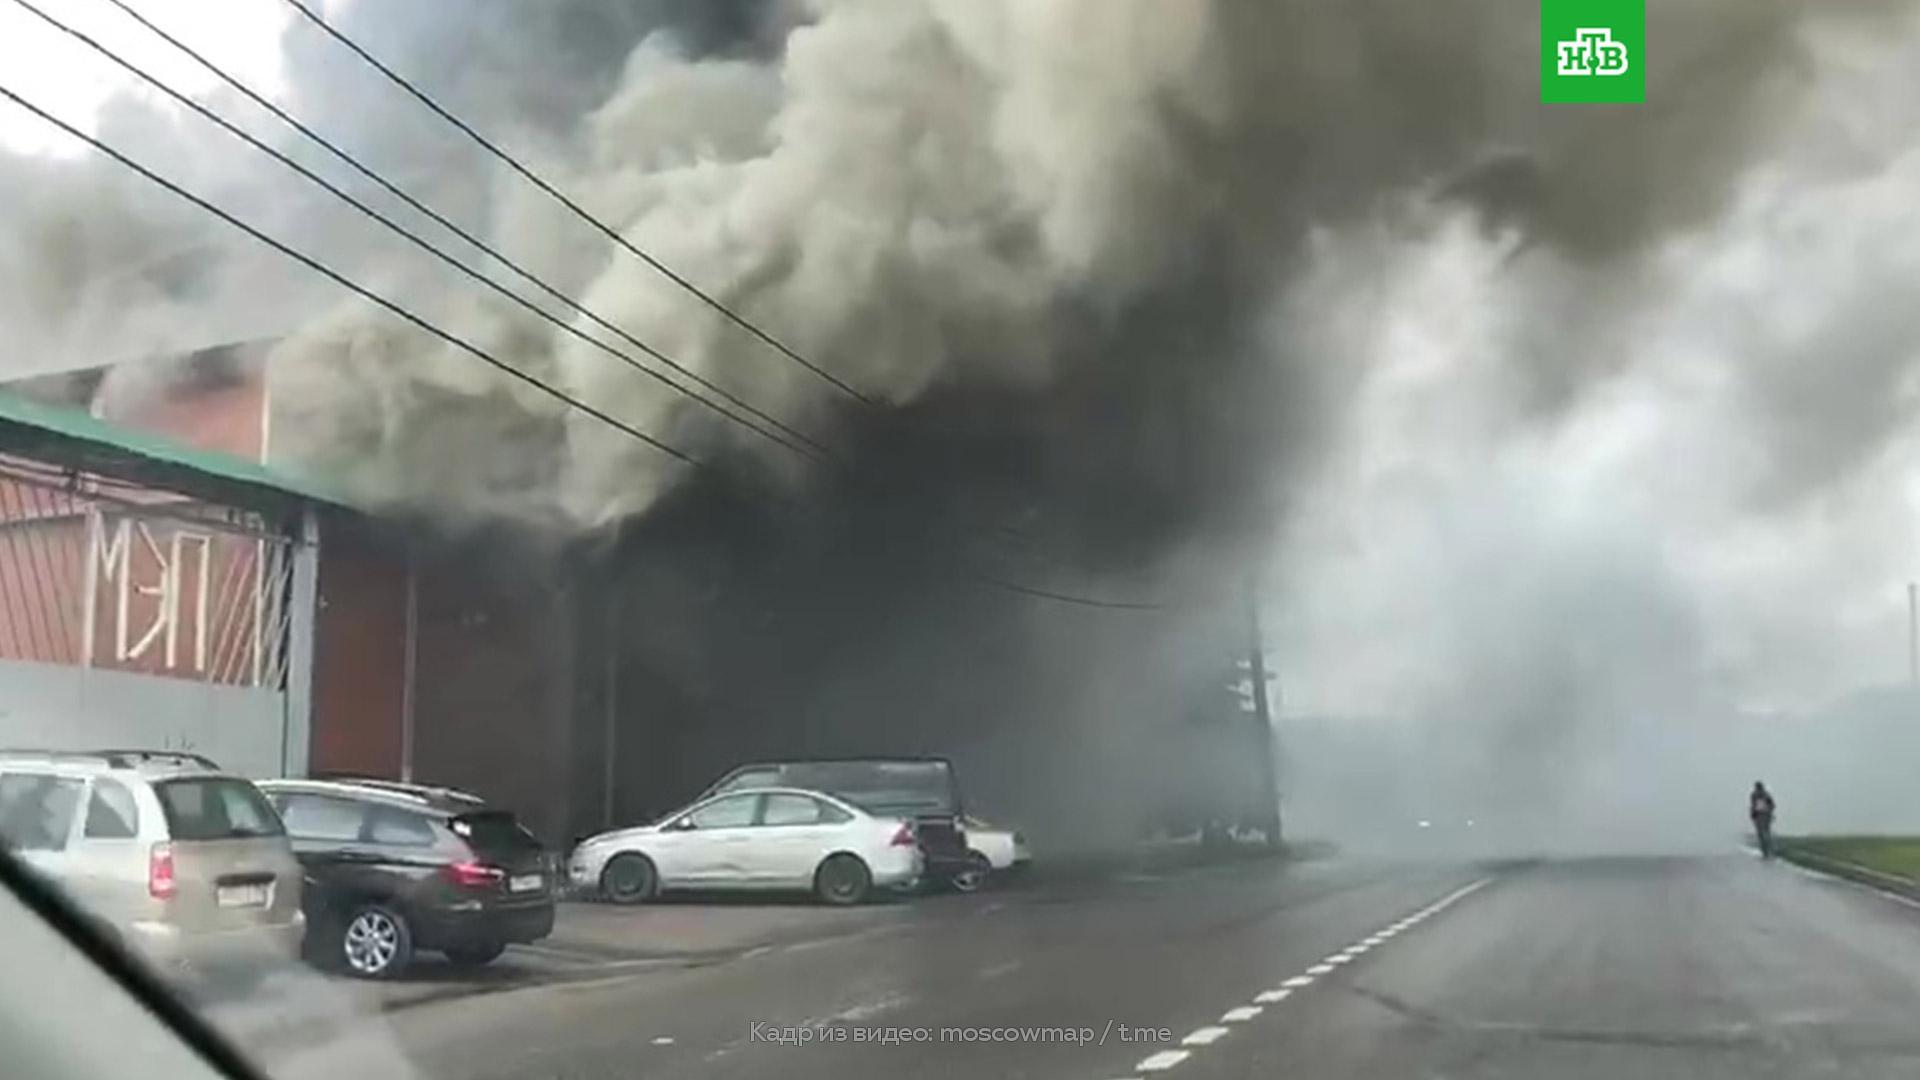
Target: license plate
(523, 883)
(241, 895)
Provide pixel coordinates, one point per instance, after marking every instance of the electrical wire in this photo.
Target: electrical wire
(416, 204)
(578, 211)
(401, 230)
(353, 286)
(436, 331)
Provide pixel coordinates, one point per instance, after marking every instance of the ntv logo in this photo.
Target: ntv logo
(1592, 51)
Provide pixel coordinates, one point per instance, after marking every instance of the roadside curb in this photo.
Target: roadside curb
(1891, 884)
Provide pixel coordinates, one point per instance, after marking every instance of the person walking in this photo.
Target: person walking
(1760, 808)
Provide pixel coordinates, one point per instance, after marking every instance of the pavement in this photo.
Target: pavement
(1710, 966)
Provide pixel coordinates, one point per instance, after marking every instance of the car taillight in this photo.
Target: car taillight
(473, 875)
(903, 836)
(160, 883)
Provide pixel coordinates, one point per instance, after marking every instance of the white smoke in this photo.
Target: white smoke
(1572, 592)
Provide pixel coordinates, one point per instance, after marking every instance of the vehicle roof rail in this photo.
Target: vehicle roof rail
(400, 786)
(161, 755)
(116, 759)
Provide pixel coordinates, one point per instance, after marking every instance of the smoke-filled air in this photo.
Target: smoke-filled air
(1571, 449)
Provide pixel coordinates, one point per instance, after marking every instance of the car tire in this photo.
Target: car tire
(476, 954)
(842, 880)
(373, 941)
(974, 877)
(629, 878)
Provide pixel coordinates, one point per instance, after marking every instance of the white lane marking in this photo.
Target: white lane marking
(998, 970)
(1167, 1059)
(1464, 891)
(1203, 1036)
(663, 1040)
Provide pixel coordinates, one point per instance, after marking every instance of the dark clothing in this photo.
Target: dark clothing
(1760, 809)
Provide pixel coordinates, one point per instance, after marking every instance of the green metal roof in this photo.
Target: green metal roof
(75, 439)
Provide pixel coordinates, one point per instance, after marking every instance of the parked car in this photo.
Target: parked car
(758, 838)
(921, 790)
(1004, 850)
(184, 863)
(393, 868)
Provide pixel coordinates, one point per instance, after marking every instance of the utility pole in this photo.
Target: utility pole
(1262, 718)
(610, 745)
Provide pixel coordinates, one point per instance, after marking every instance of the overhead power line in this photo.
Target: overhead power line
(578, 211)
(308, 12)
(413, 238)
(438, 218)
(353, 286)
(427, 326)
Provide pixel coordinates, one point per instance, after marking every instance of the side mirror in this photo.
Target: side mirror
(681, 825)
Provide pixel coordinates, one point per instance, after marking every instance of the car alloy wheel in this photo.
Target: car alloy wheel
(372, 941)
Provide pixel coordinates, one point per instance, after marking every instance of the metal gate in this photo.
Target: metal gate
(136, 616)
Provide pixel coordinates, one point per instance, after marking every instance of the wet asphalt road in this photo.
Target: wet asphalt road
(1706, 967)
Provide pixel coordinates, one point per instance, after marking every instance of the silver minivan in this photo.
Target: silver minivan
(187, 864)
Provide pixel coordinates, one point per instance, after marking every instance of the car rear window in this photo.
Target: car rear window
(216, 808)
(494, 830)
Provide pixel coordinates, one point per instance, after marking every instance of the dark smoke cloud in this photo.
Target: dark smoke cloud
(1517, 397)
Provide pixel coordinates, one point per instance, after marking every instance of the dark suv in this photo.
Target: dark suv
(392, 868)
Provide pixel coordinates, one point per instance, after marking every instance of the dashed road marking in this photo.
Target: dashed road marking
(663, 1040)
(1205, 1036)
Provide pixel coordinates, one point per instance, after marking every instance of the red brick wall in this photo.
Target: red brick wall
(228, 418)
(359, 652)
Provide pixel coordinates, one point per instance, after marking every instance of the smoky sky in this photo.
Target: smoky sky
(1549, 430)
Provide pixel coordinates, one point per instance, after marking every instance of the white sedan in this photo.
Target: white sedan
(759, 838)
(1005, 850)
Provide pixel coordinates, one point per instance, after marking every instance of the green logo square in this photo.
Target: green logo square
(1593, 50)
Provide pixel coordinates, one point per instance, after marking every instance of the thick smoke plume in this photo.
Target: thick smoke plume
(1574, 436)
